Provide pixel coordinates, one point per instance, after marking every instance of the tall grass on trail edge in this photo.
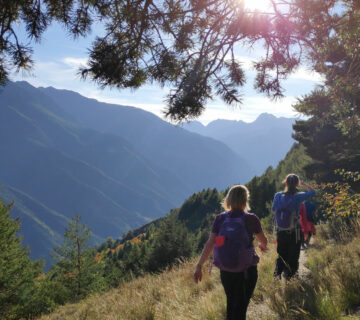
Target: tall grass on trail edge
(171, 295)
(332, 289)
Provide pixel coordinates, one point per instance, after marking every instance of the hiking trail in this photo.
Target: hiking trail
(262, 310)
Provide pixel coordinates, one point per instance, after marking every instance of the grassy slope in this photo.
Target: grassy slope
(330, 291)
(169, 295)
(332, 285)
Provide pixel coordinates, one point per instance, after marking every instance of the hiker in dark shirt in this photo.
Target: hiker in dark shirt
(288, 237)
(235, 230)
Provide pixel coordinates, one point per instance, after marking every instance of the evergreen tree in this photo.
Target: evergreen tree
(76, 267)
(17, 272)
(331, 144)
(262, 190)
(172, 242)
(134, 259)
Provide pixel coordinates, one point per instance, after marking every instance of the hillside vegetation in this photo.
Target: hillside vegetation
(84, 270)
(183, 232)
(169, 295)
(331, 289)
(328, 290)
(148, 273)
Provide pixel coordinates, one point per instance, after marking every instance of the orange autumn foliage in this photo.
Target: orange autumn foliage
(119, 247)
(98, 257)
(135, 240)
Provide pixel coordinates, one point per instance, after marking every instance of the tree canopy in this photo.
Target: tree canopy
(331, 134)
(35, 17)
(191, 45)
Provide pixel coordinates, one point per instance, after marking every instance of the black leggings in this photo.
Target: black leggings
(288, 248)
(239, 288)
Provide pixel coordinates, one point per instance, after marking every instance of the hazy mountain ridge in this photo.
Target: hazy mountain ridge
(54, 166)
(162, 143)
(262, 143)
(57, 165)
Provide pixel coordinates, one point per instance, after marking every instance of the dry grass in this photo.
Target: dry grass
(332, 288)
(171, 295)
(329, 290)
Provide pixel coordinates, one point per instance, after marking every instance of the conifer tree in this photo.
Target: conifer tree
(262, 190)
(173, 241)
(17, 271)
(76, 267)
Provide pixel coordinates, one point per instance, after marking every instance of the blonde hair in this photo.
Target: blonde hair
(237, 198)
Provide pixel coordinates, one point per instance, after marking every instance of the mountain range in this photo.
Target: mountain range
(262, 143)
(118, 166)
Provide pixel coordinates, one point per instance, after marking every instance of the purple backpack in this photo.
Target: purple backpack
(234, 252)
(285, 214)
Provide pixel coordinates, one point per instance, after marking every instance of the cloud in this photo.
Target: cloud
(75, 62)
(303, 73)
(62, 74)
(56, 74)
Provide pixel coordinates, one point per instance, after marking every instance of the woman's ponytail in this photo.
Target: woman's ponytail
(291, 183)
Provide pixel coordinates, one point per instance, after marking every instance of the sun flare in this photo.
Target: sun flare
(260, 5)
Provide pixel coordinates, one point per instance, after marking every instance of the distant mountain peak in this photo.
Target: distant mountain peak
(266, 117)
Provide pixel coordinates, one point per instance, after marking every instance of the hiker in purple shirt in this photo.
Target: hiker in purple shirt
(231, 238)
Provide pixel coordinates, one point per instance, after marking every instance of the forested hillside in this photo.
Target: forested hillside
(163, 244)
(184, 231)
(151, 248)
(166, 243)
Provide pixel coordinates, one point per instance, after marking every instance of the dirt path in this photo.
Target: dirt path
(303, 270)
(263, 311)
(260, 311)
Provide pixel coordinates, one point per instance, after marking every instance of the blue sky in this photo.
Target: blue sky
(58, 57)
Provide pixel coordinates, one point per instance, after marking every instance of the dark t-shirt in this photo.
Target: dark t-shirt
(252, 222)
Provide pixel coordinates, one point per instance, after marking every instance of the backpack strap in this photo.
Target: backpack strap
(233, 219)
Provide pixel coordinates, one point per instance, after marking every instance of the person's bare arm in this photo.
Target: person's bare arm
(262, 240)
(305, 185)
(209, 246)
